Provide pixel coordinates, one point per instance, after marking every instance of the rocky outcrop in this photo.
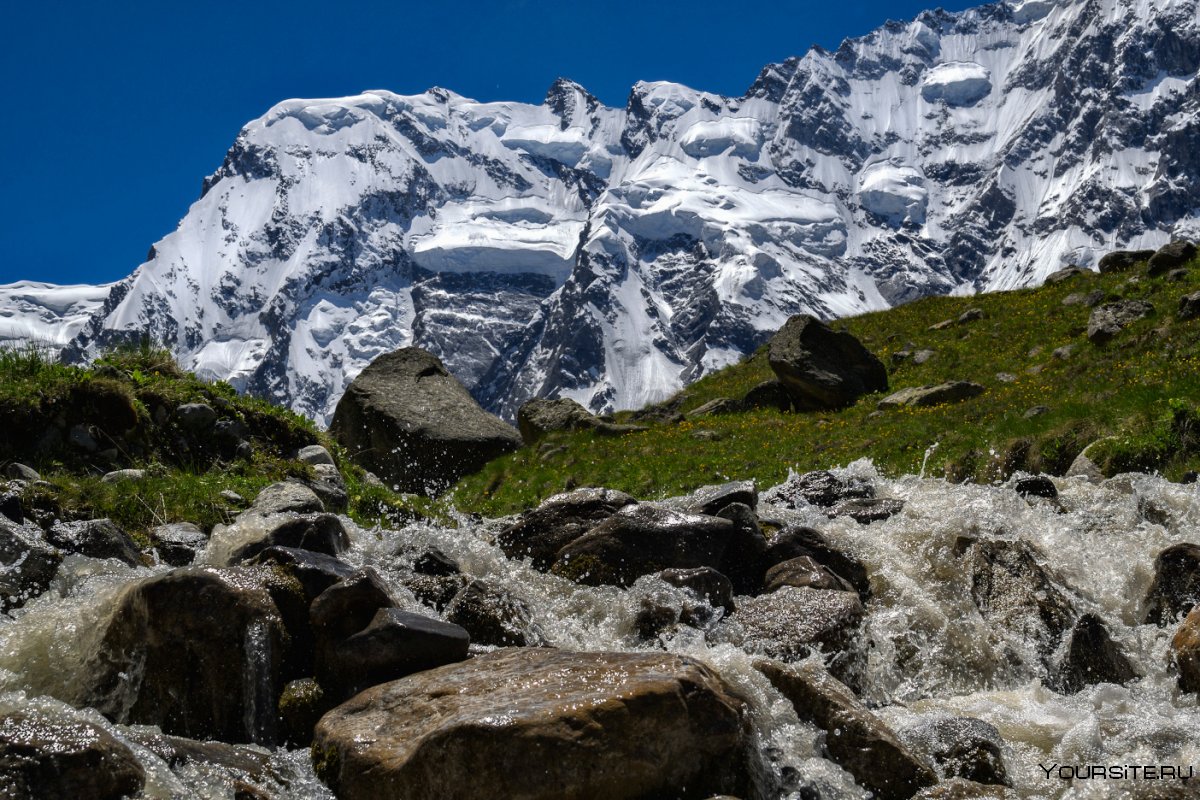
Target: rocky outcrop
(855, 738)
(44, 756)
(822, 368)
(197, 652)
(536, 724)
(409, 421)
(1110, 319)
(924, 396)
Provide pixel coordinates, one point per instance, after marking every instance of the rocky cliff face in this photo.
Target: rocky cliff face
(611, 255)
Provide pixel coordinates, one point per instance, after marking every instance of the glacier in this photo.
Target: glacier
(612, 255)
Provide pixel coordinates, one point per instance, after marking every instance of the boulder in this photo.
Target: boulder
(123, 476)
(493, 616)
(1063, 275)
(395, 643)
(1108, 320)
(27, 564)
(43, 755)
(855, 738)
(180, 753)
(1185, 649)
(435, 562)
(341, 611)
(314, 572)
(301, 705)
(1036, 486)
(539, 534)
(820, 488)
(711, 499)
(959, 747)
(1176, 586)
(196, 652)
(1092, 657)
(705, 582)
(963, 789)
(924, 396)
(538, 418)
(414, 425)
(1123, 260)
(1189, 306)
(768, 394)
(285, 496)
(178, 543)
(742, 560)
(329, 485)
(970, 315)
(95, 538)
(19, 472)
(715, 407)
(797, 541)
(791, 623)
(1015, 593)
(822, 368)
(315, 454)
(641, 540)
(866, 510)
(540, 725)
(1169, 257)
(195, 417)
(318, 533)
(803, 571)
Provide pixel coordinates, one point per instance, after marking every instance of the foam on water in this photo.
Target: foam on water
(929, 651)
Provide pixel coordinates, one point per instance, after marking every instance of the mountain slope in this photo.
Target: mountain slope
(614, 255)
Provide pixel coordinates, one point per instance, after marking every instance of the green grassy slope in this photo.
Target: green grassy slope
(1140, 389)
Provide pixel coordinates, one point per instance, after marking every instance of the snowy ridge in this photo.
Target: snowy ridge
(614, 254)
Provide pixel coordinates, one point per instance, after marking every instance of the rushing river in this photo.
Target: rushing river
(929, 650)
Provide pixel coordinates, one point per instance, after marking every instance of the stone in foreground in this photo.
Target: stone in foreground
(47, 756)
(414, 425)
(822, 368)
(540, 724)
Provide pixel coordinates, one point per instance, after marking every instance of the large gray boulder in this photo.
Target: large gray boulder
(822, 368)
(409, 421)
(1111, 318)
(538, 723)
(1170, 256)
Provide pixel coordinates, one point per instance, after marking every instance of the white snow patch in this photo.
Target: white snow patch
(957, 83)
(740, 135)
(896, 193)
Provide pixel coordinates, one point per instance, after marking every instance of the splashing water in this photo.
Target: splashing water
(929, 651)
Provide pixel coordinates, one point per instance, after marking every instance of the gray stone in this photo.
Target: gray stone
(791, 623)
(959, 747)
(318, 533)
(711, 499)
(819, 488)
(329, 485)
(287, 496)
(1177, 275)
(1063, 353)
(50, 756)
(768, 394)
(866, 510)
(408, 420)
(1006, 377)
(339, 612)
(855, 739)
(923, 396)
(538, 418)
(178, 543)
(1169, 257)
(315, 572)
(196, 417)
(804, 571)
(1189, 306)
(923, 356)
(1176, 587)
(1035, 411)
(540, 533)
(822, 368)
(1123, 260)
(395, 643)
(20, 472)
(493, 616)
(315, 454)
(970, 315)
(123, 476)
(1092, 657)
(1064, 275)
(705, 582)
(720, 405)
(618, 726)
(797, 541)
(27, 564)
(95, 538)
(1110, 319)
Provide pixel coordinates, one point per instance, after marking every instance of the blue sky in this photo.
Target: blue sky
(116, 111)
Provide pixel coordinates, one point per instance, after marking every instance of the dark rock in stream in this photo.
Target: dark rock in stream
(44, 756)
(540, 533)
(959, 747)
(1176, 586)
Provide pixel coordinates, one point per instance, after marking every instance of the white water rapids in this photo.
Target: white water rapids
(930, 651)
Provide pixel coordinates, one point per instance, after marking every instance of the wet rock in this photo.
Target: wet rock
(318, 533)
(959, 747)
(791, 623)
(1169, 257)
(611, 725)
(20, 472)
(341, 611)
(178, 751)
(286, 496)
(768, 394)
(12, 506)
(45, 756)
(797, 541)
(855, 738)
(232, 498)
(1015, 593)
(1036, 486)
(560, 520)
(962, 789)
(315, 454)
(641, 540)
(743, 556)
(409, 421)
(301, 705)
(395, 643)
(1063, 275)
(314, 572)
(1176, 586)
(1092, 657)
(1189, 306)
(329, 485)
(804, 571)
(1084, 467)
(1123, 260)
(95, 538)
(821, 488)
(924, 396)
(705, 582)
(196, 652)
(1110, 319)
(711, 499)
(435, 562)
(822, 368)
(178, 543)
(27, 564)
(196, 417)
(493, 616)
(864, 511)
(435, 591)
(1185, 649)
(80, 437)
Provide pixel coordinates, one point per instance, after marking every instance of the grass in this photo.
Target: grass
(1138, 389)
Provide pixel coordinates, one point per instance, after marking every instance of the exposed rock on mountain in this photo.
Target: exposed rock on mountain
(611, 255)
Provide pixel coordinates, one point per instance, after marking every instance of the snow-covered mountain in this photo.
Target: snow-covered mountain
(613, 254)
